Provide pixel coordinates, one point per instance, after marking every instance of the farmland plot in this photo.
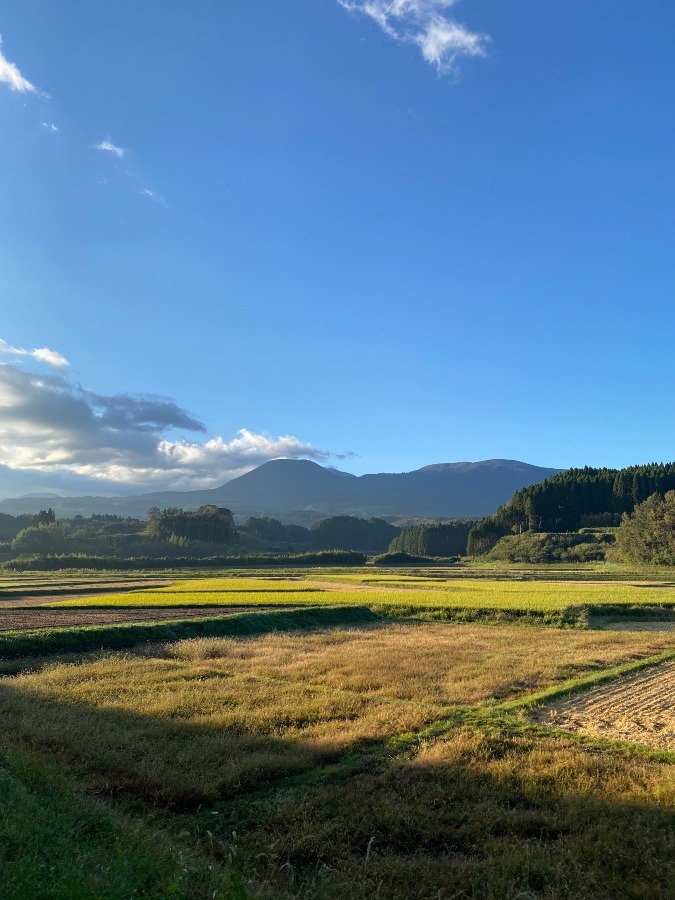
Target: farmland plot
(639, 708)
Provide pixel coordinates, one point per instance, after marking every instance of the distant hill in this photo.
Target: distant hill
(302, 491)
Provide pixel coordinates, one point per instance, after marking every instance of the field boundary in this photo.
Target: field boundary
(48, 641)
(580, 685)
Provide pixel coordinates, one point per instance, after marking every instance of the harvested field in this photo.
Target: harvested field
(18, 595)
(30, 619)
(638, 708)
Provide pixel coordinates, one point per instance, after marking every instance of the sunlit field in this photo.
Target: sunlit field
(332, 734)
(393, 591)
(370, 761)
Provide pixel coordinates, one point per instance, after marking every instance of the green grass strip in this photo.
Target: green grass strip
(46, 641)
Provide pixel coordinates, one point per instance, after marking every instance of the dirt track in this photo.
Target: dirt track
(639, 708)
(28, 619)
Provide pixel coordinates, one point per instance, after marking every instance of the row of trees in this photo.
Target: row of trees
(368, 535)
(10, 526)
(569, 500)
(352, 533)
(209, 525)
(433, 539)
(168, 530)
(275, 532)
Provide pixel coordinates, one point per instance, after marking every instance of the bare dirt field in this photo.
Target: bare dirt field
(638, 708)
(28, 597)
(28, 619)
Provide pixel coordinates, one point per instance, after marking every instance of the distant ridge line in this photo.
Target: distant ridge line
(308, 491)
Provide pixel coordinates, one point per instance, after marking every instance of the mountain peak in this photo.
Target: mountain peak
(284, 486)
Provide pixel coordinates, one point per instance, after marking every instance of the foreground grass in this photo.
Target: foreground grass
(443, 664)
(188, 732)
(202, 720)
(55, 844)
(480, 815)
(382, 761)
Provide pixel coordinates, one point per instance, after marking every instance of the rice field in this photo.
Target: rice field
(395, 592)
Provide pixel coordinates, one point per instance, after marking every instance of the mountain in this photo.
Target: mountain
(302, 491)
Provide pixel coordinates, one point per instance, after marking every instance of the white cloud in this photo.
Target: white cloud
(10, 74)
(42, 354)
(154, 196)
(424, 23)
(50, 126)
(109, 147)
(52, 426)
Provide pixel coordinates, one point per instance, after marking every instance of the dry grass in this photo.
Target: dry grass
(187, 732)
(477, 816)
(442, 664)
(198, 720)
(488, 812)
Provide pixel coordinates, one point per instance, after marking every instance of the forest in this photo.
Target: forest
(574, 499)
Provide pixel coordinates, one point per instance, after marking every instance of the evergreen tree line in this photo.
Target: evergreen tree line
(275, 532)
(433, 539)
(352, 533)
(571, 500)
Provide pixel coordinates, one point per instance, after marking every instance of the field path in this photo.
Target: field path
(639, 708)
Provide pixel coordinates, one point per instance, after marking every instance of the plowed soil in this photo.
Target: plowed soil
(28, 619)
(18, 597)
(638, 708)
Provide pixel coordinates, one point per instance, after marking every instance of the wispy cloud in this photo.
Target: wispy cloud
(109, 147)
(50, 126)
(10, 75)
(41, 354)
(426, 24)
(154, 196)
(53, 426)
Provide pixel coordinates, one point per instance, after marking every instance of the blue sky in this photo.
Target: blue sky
(379, 234)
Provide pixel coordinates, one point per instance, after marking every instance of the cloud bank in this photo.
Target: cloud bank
(424, 23)
(52, 426)
(10, 75)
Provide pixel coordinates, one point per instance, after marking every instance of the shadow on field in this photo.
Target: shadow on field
(166, 761)
(474, 814)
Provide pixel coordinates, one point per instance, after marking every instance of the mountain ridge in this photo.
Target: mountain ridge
(284, 486)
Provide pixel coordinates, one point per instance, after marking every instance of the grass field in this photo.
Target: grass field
(300, 757)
